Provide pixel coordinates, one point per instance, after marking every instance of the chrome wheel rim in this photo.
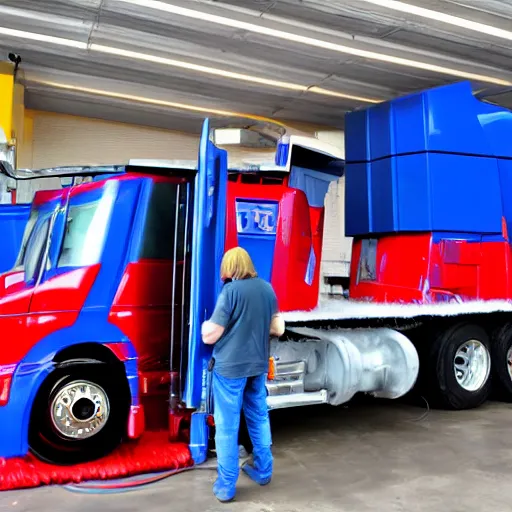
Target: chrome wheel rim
(79, 410)
(509, 362)
(472, 365)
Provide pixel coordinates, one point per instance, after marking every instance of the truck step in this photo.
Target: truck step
(297, 399)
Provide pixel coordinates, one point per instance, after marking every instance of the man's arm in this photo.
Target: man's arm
(276, 322)
(213, 329)
(277, 325)
(211, 332)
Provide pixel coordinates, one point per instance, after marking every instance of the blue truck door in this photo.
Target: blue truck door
(208, 240)
(13, 219)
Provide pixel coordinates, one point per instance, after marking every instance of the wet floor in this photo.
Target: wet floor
(382, 457)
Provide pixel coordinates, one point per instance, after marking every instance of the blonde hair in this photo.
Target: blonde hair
(237, 264)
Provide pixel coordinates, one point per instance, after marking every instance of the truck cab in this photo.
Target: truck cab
(96, 302)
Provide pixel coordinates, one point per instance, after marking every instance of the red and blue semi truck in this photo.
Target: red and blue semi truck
(100, 313)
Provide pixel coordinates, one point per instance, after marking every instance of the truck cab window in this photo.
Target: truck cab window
(35, 249)
(161, 222)
(86, 229)
(75, 252)
(34, 214)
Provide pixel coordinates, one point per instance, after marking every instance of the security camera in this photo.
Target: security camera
(15, 58)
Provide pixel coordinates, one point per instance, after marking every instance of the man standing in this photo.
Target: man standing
(245, 316)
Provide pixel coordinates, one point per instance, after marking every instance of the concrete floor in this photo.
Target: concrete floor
(382, 457)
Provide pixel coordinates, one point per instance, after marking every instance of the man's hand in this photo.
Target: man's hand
(277, 326)
(211, 333)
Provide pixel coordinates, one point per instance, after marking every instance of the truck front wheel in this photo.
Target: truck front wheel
(459, 367)
(78, 415)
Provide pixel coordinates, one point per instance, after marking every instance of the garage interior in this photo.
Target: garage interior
(85, 63)
(105, 81)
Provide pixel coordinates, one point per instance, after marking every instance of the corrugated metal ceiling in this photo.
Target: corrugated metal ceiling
(136, 26)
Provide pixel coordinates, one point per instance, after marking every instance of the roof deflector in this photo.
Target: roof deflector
(58, 172)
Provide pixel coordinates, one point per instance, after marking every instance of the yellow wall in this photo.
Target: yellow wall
(12, 109)
(6, 95)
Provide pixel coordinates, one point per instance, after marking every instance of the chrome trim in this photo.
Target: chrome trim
(75, 398)
(472, 365)
(297, 400)
(289, 378)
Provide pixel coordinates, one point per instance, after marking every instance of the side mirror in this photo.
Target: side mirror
(5, 165)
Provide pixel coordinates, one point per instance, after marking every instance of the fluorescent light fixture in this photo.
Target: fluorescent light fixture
(183, 65)
(310, 41)
(442, 17)
(227, 74)
(155, 102)
(195, 67)
(43, 38)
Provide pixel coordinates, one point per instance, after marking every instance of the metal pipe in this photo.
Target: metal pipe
(173, 395)
(183, 286)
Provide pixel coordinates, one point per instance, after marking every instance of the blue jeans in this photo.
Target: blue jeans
(229, 396)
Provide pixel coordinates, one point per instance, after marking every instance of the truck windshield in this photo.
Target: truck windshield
(86, 228)
(84, 236)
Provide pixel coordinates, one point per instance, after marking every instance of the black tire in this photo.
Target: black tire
(502, 378)
(48, 444)
(441, 385)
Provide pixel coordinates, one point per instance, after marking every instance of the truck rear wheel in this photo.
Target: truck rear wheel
(78, 415)
(501, 356)
(459, 367)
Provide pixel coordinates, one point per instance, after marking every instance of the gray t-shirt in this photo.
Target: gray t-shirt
(244, 308)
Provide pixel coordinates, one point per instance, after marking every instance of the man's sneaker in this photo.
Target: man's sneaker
(249, 470)
(223, 494)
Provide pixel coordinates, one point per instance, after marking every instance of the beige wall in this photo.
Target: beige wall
(69, 140)
(337, 248)
(56, 139)
(26, 142)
